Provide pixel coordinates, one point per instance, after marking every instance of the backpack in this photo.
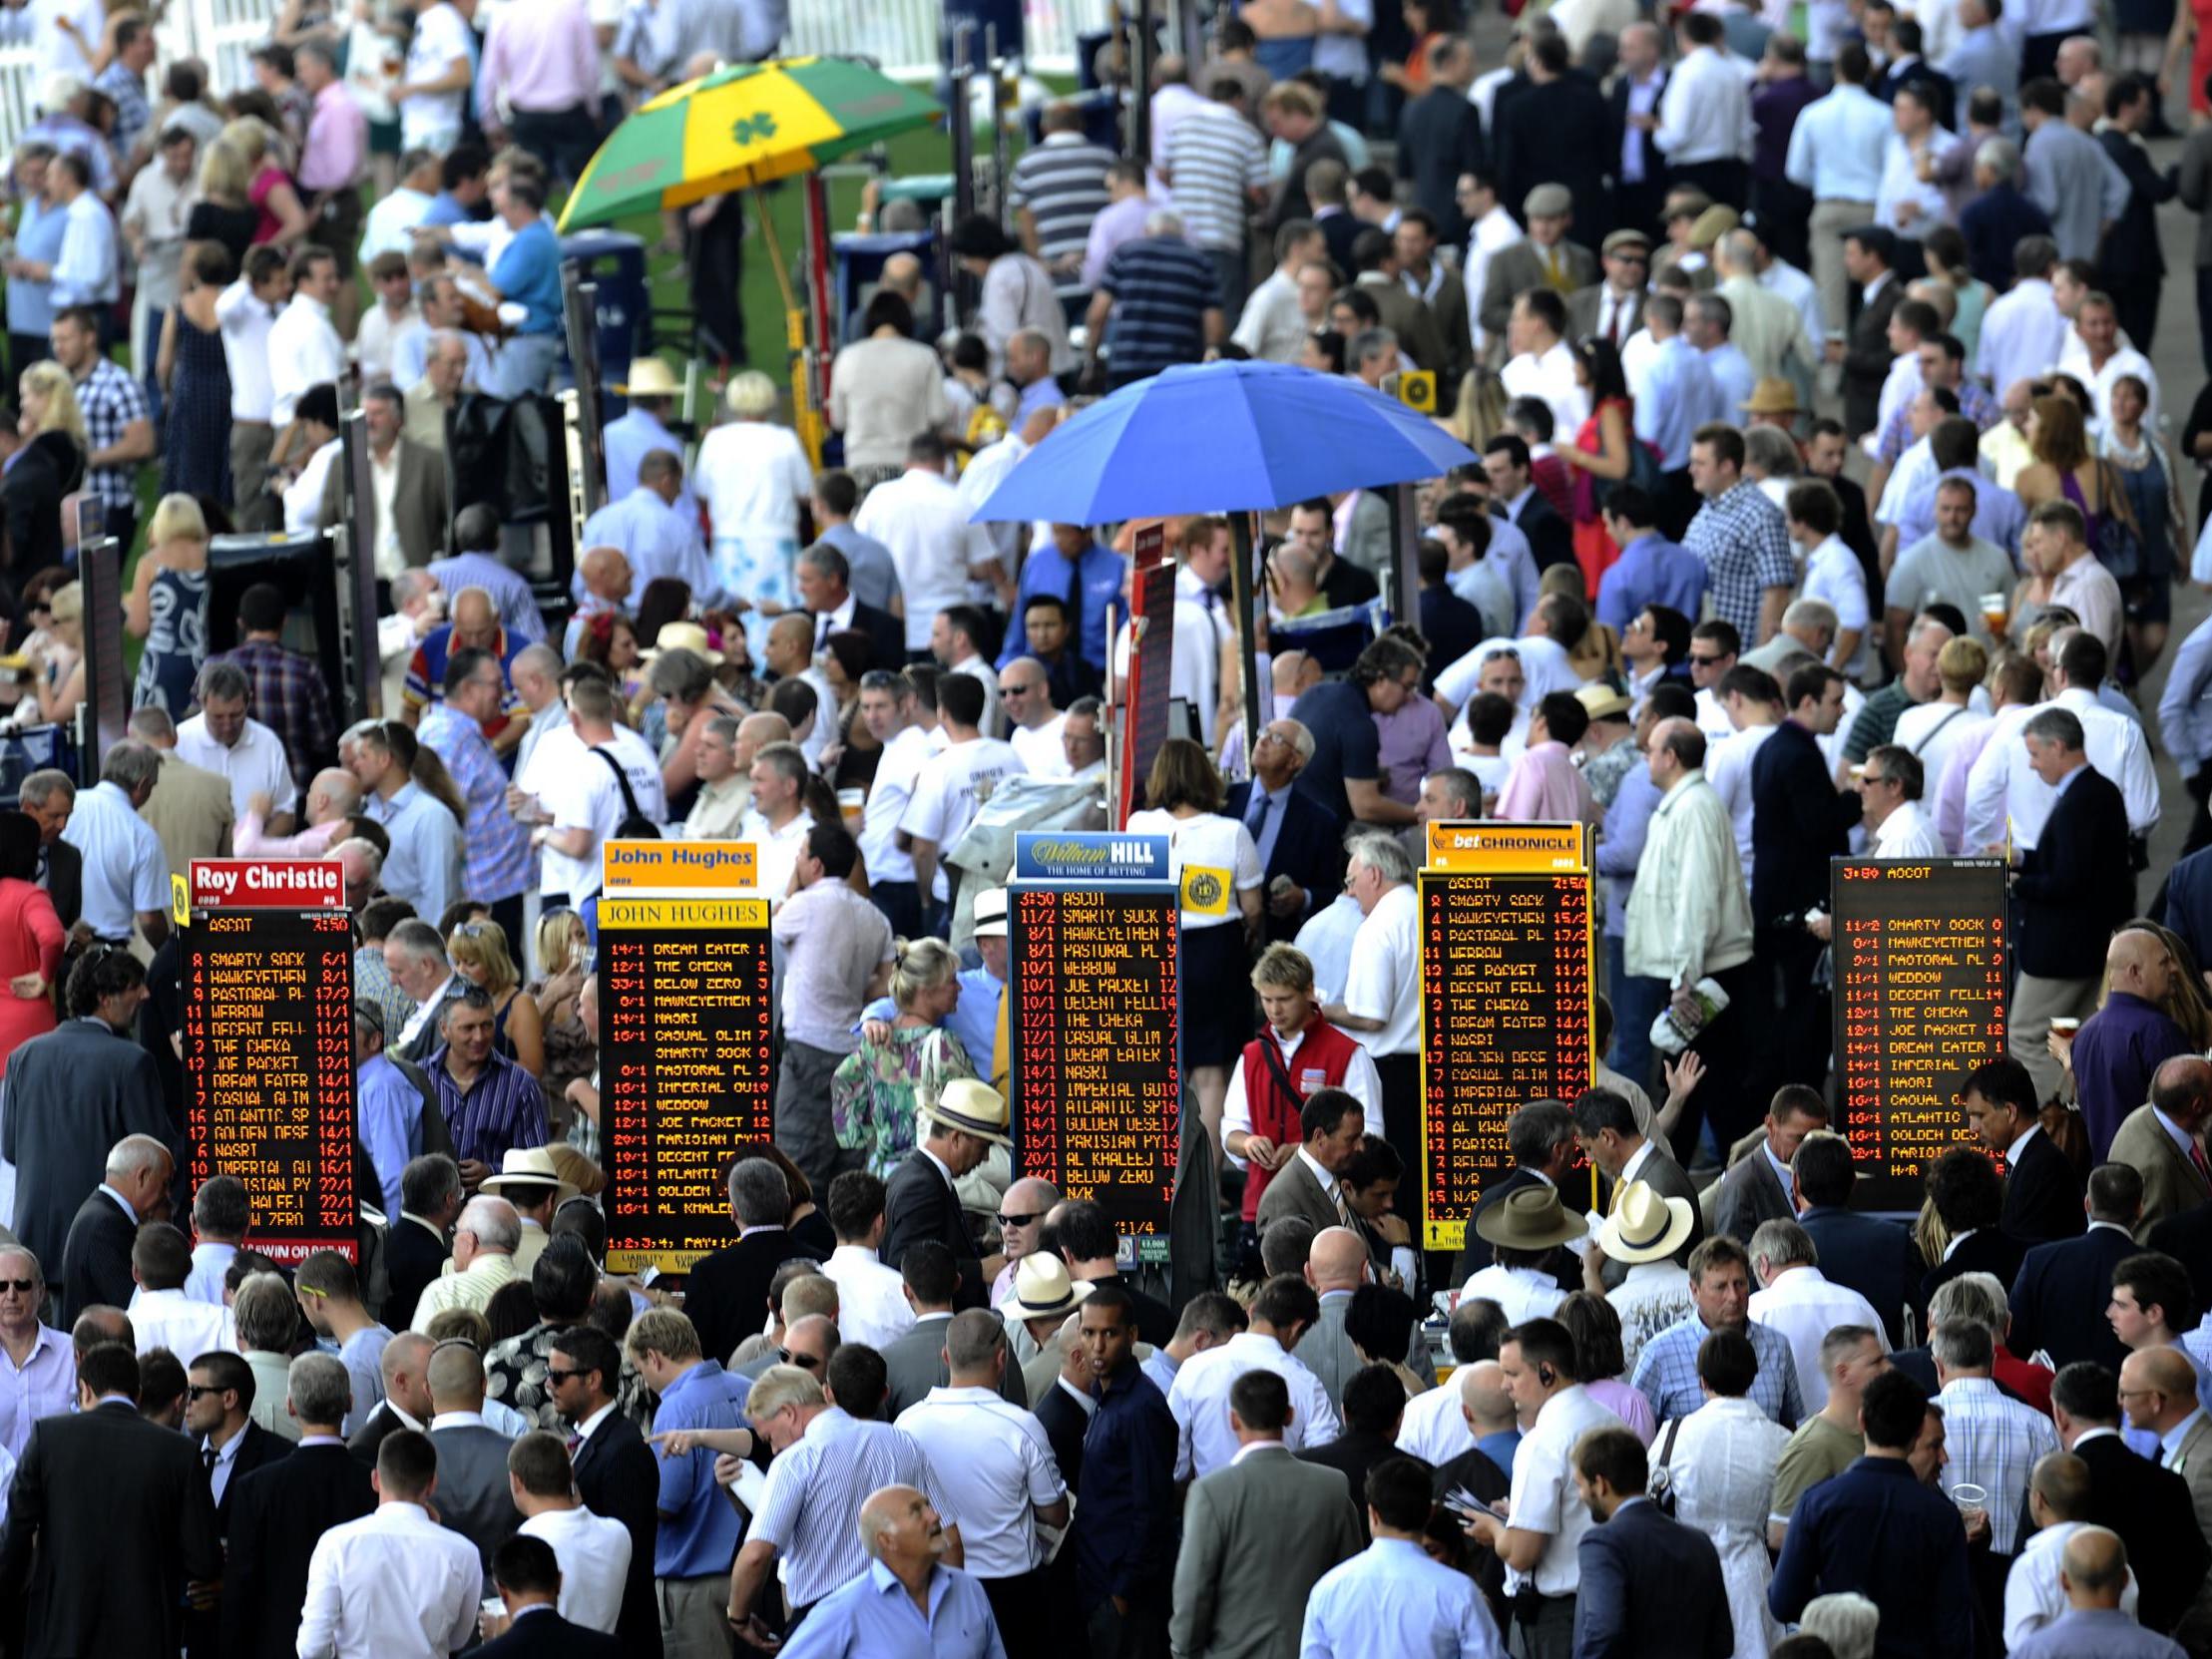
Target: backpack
(635, 826)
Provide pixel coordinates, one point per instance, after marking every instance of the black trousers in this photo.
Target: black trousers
(1727, 183)
(1022, 1606)
(2204, 314)
(1785, 219)
(901, 904)
(1728, 1046)
(2136, 300)
(1400, 1075)
(562, 139)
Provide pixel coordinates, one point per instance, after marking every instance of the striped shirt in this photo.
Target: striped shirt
(815, 1490)
(495, 860)
(502, 1110)
(1063, 184)
(1161, 288)
(1993, 1442)
(1214, 159)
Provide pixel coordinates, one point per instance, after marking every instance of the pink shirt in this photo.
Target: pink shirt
(544, 58)
(247, 841)
(1546, 787)
(337, 150)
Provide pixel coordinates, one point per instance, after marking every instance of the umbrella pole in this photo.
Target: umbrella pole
(1243, 599)
(806, 417)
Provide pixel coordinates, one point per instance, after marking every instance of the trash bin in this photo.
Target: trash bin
(616, 262)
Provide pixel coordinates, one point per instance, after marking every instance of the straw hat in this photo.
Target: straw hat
(1712, 224)
(991, 913)
(1645, 1226)
(691, 636)
(530, 1166)
(1602, 702)
(972, 1108)
(1531, 1219)
(1042, 1288)
(649, 377)
(1772, 396)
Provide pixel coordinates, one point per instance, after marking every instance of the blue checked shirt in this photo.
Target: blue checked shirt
(132, 112)
(1974, 403)
(1666, 1372)
(816, 1486)
(1993, 1442)
(502, 1108)
(110, 400)
(1747, 549)
(496, 861)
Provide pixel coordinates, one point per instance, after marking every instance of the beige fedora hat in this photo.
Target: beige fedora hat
(1645, 1226)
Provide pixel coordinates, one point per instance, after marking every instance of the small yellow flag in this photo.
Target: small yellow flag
(1205, 890)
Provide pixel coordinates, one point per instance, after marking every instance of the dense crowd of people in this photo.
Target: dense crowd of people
(1746, 316)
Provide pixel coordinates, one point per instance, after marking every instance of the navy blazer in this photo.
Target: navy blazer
(1873, 1257)
(1799, 820)
(277, 1515)
(2153, 1514)
(2060, 1296)
(1650, 1587)
(547, 1635)
(618, 1475)
(2075, 886)
(1309, 850)
(1986, 1250)
(96, 1257)
(2043, 1194)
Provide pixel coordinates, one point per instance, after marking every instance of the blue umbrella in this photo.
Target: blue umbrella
(1223, 437)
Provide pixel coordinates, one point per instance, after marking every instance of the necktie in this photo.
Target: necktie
(822, 630)
(1343, 1210)
(1551, 267)
(1262, 804)
(209, 1457)
(2196, 1156)
(1612, 320)
(999, 1051)
(573, 1441)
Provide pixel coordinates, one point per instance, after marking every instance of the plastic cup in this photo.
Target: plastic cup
(1967, 1495)
(851, 804)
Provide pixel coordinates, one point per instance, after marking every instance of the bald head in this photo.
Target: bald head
(456, 1378)
(902, 274)
(334, 793)
(2158, 1387)
(404, 1354)
(473, 612)
(1338, 1261)
(815, 1336)
(1484, 1401)
(2061, 1485)
(756, 731)
(2182, 1090)
(1289, 672)
(2093, 1569)
(794, 629)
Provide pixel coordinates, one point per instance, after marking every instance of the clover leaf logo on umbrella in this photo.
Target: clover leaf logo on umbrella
(752, 128)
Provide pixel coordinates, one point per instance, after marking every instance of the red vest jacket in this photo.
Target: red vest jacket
(1320, 1063)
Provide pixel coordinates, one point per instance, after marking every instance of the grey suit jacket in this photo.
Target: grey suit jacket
(2172, 1183)
(1327, 1352)
(1749, 1194)
(1294, 1191)
(472, 1495)
(2193, 1464)
(418, 501)
(1257, 1535)
(1518, 265)
(1583, 312)
(915, 1363)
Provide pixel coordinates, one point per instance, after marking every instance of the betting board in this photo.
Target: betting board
(268, 1045)
(1919, 969)
(687, 999)
(1506, 1001)
(1096, 1087)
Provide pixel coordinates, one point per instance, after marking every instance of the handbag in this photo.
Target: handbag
(2119, 539)
(1662, 1483)
(635, 826)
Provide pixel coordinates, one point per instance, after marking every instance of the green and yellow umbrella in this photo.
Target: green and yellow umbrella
(741, 125)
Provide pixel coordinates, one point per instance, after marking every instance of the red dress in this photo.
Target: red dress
(1593, 548)
(30, 940)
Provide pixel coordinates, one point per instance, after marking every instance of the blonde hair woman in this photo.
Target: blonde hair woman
(60, 657)
(48, 399)
(754, 476)
(168, 608)
(876, 1091)
(478, 951)
(562, 951)
(224, 214)
(281, 217)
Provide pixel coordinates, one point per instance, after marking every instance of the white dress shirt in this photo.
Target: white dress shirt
(2034, 1597)
(1549, 376)
(1524, 1293)
(1804, 1305)
(186, 1326)
(1434, 1428)
(246, 321)
(594, 1552)
(1728, 770)
(1837, 144)
(1705, 112)
(2005, 797)
(126, 869)
(304, 351)
(1909, 832)
(1201, 1402)
(1384, 980)
(921, 518)
(1544, 1497)
(392, 1583)
(2022, 334)
(254, 764)
(996, 1465)
(871, 1301)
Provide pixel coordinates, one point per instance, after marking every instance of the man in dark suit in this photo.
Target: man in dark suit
(1558, 130)
(2072, 889)
(1372, 1415)
(1799, 821)
(2043, 1194)
(49, 797)
(95, 1255)
(2148, 1507)
(1650, 1586)
(215, 1416)
(1078, 1233)
(529, 1578)
(474, 1498)
(1605, 1130)
(1300, 841)
(1440, 137)
(2187, 1237)
(1540, 1138)
(279, 1511)
(2131, 261)
(1612, 310)
(1873, 1257)
(914, 1362)
(415, 1244)
(616, 1474)
(74, 1093)
(1516, 499)
(825, 588)
(1869, 253)
(419, 513)
(1968, 1195)
(966, 1120)
(2060, 1296)
(1637, 86)
(728, 1294)
(1757, 1188)
(108, 1522)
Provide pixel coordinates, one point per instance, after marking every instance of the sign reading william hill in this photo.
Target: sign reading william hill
(1059, 855)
